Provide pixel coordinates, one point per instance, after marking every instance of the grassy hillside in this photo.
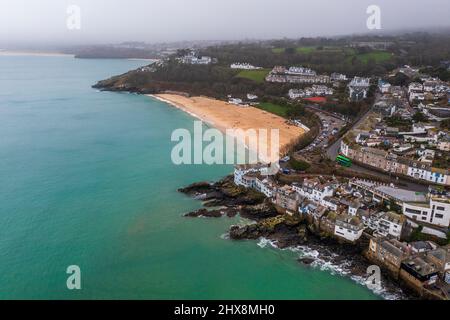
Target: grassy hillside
(254, 75)
(273, 108)
(376, 56)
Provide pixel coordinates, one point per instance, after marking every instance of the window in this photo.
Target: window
(439, 216)
(412, 211)
(440, 208)
(424, 218)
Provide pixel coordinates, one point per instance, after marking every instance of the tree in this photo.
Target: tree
(289, 50)
(419, 117)
(400, 79)
(445, 124)
(299, 165)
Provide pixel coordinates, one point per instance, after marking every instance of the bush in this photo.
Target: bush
(299, 165)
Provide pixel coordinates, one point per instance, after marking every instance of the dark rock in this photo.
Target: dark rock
(197, 188)
(204, 213)
(246, 232)
(306, 260)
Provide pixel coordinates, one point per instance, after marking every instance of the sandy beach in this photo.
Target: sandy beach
(223, 116)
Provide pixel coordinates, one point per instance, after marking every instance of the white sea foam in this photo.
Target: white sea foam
(263, 242)
(341, 269)
(225, 236)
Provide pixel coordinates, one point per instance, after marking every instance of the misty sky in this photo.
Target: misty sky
(107, 21)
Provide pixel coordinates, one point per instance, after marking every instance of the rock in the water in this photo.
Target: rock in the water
(197, 188)
(204, 213)
(306, 260)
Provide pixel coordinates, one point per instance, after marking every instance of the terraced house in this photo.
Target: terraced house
(389, 162)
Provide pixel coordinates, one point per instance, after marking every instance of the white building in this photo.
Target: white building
(301, 71)
(384, 86)
(330, 203)
(359, 88)
(419, 170)
(244, 66)
(415, 86)
(241, 177)
(251, 96)
(299, 124)
(347, 228)
(436, 211)
(321, 90)
(338, 77)
(370, 219)
(416, 95)
(235, 101)
(192, 58)
(265, 186)
(390, 224)
(430, 86)
(250, 177)
(296, 93)
(312, 189)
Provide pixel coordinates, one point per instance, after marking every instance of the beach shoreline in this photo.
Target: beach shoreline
(224, 116)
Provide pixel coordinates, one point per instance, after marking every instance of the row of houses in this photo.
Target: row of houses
(333, 206)
(313, 91)
(392, 163)
(358, 87)
(300, 75)
(244, 66)
(430, 89)
(300, 79)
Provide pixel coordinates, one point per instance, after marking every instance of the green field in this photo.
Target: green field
(305, 49)
(297, 50)
(377, 56)
(278, 50)
(255, 75)
(273, 108)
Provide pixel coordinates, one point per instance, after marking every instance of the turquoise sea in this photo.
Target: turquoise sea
(86, 179)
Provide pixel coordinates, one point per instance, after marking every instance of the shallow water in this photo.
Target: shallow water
(86, 179)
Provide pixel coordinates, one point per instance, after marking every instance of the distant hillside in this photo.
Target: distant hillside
(113, 52)
(364, 56)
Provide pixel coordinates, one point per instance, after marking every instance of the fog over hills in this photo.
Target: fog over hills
(44, 22)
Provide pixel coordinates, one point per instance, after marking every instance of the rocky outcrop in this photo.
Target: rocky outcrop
(277, 228)
(306, 260)
(204, 213)
(230, 198)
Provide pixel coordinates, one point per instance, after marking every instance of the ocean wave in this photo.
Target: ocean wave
(264, 242)
(344, 269)
(324, 262)
(225, 236)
